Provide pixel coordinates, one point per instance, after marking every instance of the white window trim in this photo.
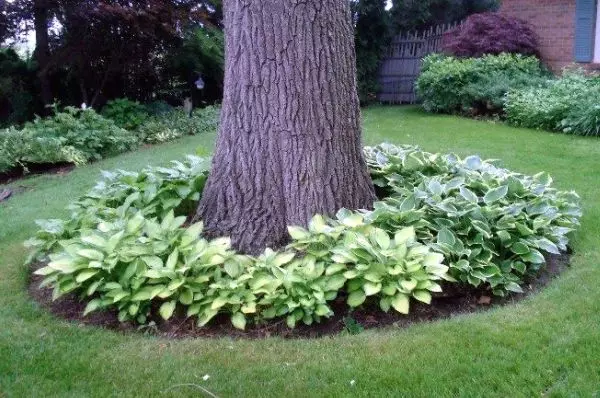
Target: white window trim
(596, 58)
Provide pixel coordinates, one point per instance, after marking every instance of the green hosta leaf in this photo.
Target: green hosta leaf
(404, 236)
(534, 257)
(172, 259)
(219, 302)
(45, 271)
(298, 233)
(445, 236)
(336, 282)
(65, 266)
(433, 259)
(482, 227)
(371, 288)
(238, 320)
(494, 195)
(91, 254)
(408, 285)
(323, 310)
(94, 240)
(400, 302)
(467, 194)
(186, 297)
(249, 308)
(153, 261)
(166, 309)
(547, 245)
(473, 162)
(423, 296)
(93, 305)
(513, 287)
(282, 259)
(381, 237)
(385, 304)
(520, 248)
(352, 221)
(356, 298)
(85, 275)
(206, 316)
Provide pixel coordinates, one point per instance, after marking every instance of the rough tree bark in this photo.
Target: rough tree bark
(289, 144)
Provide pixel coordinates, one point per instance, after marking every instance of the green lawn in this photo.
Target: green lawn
(547, 345)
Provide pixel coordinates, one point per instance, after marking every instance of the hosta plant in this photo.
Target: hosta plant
(441, 219)
(491, 224)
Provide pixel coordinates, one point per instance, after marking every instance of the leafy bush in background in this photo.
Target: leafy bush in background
(568, 104)
(492, 33)
(125, 113)
(127, 245)
(75, 136)
(177, 123)
(473, 85)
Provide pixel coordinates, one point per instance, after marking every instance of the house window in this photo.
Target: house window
(586, 31)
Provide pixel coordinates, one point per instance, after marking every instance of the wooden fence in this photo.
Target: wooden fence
(402, 63)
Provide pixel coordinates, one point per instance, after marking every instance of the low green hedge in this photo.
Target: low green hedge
(570, 104)
(75, 136)
(474, 85)
(441, 219)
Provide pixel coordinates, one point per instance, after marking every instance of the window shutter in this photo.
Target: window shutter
(585, 24)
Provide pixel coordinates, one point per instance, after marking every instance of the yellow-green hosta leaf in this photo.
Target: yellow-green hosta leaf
(356, 298)
(85, 275)
(409, 285)
(298, 233)
(238, 320)
(404, 236)
(400, 302)
(93, 305)
(166, 309)
(65, 266)
(44, 271)
(94, 240)
(381, 238)
(371, 288)
(172, 259)
(249, 308)
(219, 302)
(423, 296)
(186, 297)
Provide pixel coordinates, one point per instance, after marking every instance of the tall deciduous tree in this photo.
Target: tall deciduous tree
(289, 144)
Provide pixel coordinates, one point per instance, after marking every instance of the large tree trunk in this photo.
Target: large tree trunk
(42, 49)
(289, 145)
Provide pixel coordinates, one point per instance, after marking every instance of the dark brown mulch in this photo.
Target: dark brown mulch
(453, 301)
(35, 169)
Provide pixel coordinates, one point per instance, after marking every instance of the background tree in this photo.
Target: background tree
(92, 51)
(410, 15)
(289, 143)
(372, 34)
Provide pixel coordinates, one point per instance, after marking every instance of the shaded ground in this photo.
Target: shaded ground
(35, 169)
(453, 301)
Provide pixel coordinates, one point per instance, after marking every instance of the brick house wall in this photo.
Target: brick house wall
(554, 22)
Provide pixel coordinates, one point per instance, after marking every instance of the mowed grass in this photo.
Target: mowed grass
(546, 345)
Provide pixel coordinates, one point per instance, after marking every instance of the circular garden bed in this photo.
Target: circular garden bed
(449, 235)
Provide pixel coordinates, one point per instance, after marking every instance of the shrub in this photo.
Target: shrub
(473, 85)
(125, 113)
(491, 224)
(126, 245)
(492, 33)
(567, 104)
(75, 136)
(172, 125)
